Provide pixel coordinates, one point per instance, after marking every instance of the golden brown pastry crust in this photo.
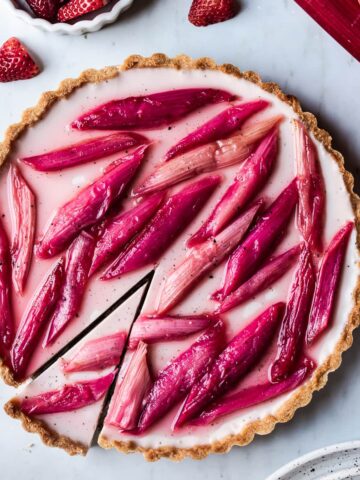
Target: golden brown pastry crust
(303, 395)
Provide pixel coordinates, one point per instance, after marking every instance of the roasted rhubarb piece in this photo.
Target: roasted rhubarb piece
(239, 356)
(78, 263)
(150, 111)
(218, 127)
(206, 158)
(178, 377)
(127, 401)
(294, 323)
(258, 244)
(170, 220)
(310, 215)
(273, 269)
(250, 396)
(6, 314)
(23, 208)
(90, 205)
(327, 283)
(35, 319)
(84, 152)
(201, 259)
(119, 229)
(248, 182)
(97, 354)
(167, 328)
(68, 398)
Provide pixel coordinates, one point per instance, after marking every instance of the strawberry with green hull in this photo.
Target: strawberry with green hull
(177, 378)
(239, 356)
(254, 395)
(245, 260)
(272, 270)
(45, 9)
(294, 323)
(76, 8)
(119, 229)
(90, 205)
(150, 111)
(84, 152)
(130, 391)
(97, 354)
(202, 259)
(248, 182)
(16, 62)
(7, 329)
(207, 158)
(170, 220)
(35, 319)
(220, 126)
(327, 284)
(78, 263)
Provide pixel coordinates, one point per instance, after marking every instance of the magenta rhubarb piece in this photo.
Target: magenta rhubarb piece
(293, 326)
(6, 315)
(310, 215)
(85, 151)
(78, 263)
(167, 328)
(248, 182)
(68, 398)
(170, 220)
(178, 377)
(239, 356)
(256, 394)
(127, 401)
(118, 230)
(90, 205)
(23, 210)
(97, 354)
(207, 158)
(150, 111)
(245, 260)
(218, 127)
(35, 319)
(202, 259)
(327, 283)
(272, 270)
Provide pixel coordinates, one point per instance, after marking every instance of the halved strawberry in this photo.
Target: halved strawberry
(16, 62)
(76, 8)
(207, 12)
(44, 8)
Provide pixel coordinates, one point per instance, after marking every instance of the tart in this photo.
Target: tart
(219, 192)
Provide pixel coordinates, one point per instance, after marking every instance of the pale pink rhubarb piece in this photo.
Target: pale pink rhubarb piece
(150, 111)
(239, 356)
(90, 205)
(97, 354)
(207, 158)
(70, 397)
(78, 263)
(248, 182)
(272, 270)
(220, 126)
(178, 377)
(6, 315)
(327, 283)
(84, 152)
(255, 394)
(170, 220)
(259, 242)
(127, 401)
(167, 328)
(202, 259)
(35, 319)
(294, 323)
(119, 229)
(23, 213)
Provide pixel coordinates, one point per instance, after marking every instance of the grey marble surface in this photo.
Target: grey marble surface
(277, 39)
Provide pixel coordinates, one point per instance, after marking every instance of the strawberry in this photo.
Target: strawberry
(15, 62)
(207, 12)
(44, 8)
(76, 8)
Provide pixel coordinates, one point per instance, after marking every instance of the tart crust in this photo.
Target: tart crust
(303, 395)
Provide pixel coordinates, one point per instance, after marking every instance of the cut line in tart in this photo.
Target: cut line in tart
(219, 192)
